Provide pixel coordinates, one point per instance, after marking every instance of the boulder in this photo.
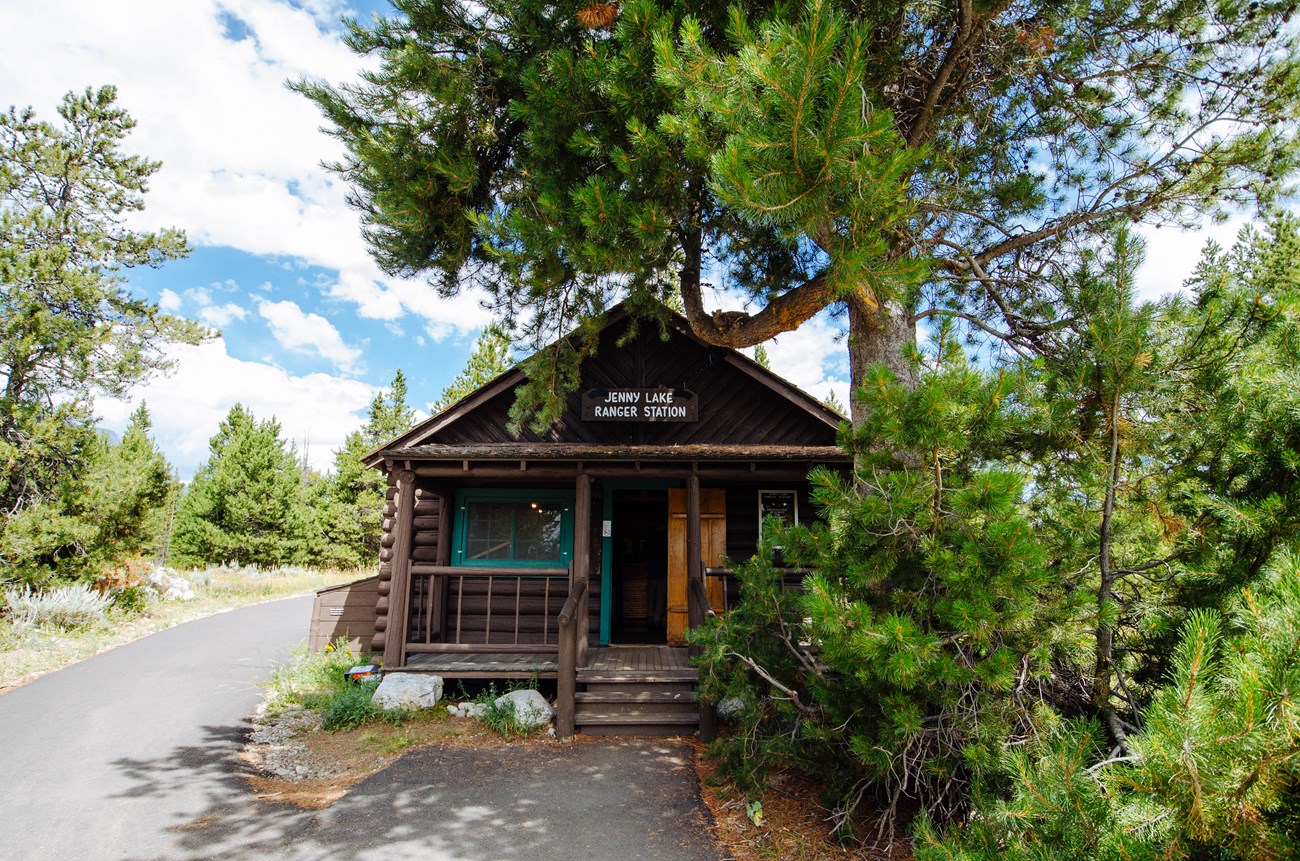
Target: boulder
(169, 585)
(532, 711)
(729, 708)
(408, 691)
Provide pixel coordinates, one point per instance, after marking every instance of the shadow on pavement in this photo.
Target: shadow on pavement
(598, 801)
(230, 822)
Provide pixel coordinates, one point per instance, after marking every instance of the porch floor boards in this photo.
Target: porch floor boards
(624, 660)
(485, 665)
(604, 661)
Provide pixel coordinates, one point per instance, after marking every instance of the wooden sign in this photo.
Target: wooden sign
(640, 405)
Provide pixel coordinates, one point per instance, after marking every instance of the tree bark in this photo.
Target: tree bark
(878, 334)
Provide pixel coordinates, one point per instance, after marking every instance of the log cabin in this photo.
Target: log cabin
(583, 554)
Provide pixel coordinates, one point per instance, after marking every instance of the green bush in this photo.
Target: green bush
(349, 706)
(501, 717)
(1214, 773)
(319, 681)
(312, 678)
(131, 600)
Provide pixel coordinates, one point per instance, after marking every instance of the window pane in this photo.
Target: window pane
(537, 530)
(488, 530)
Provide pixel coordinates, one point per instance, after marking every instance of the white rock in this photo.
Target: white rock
(408, 691)
(532, 711)
(467, 710)
(169, 585)
(730, 708)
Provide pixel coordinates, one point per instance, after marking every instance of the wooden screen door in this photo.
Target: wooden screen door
(713, 546)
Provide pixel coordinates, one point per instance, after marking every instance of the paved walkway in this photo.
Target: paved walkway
(132, 755)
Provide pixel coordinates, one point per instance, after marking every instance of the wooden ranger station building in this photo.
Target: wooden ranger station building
(585, 553)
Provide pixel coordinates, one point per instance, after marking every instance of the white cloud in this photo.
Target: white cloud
(1172, 254)
(188, 405)
(169, 301)
(814, 357)
(221, 315)
(307, 333)
(241, 153)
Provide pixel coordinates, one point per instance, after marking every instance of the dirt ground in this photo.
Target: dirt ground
(793, 826)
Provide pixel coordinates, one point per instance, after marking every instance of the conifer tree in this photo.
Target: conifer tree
(899, 161)
(127, 492)
(247, 503)
(113, 510)
(349, 503)
(1064, 521)
(489, 359)
(930, 602)
(68, 326)
(760, 356)
(833, 403)
(1210, 775)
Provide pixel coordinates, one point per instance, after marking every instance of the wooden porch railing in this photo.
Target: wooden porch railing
(567, 676)
(792, 578)
(484, 609)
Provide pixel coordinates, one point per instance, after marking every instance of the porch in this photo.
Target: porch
(603, 661)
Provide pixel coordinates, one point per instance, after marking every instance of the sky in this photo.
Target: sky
(310, 328)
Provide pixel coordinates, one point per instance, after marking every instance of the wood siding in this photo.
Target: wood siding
(734, 408)
(346, 611)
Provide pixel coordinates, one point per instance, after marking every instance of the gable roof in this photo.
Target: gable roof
(743, 406)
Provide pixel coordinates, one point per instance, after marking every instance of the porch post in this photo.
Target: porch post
(399, 597)
(694, 576)
(694, 570)
(582, 559)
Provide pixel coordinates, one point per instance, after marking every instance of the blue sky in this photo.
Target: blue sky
(310, 328)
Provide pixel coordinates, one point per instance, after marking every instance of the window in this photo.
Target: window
(508, 528)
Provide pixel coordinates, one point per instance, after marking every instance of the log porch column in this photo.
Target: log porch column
(694, 570)
(694, 576)
(399, 598)
(582, 559)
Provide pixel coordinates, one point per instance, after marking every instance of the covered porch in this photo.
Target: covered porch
(482, 622)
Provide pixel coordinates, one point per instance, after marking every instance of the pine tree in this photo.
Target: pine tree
(931, 600)
(488, 360)
(760, 356)
(349, 503)
(897, 161)
(833, 403)
(1032, 542)
(128, 492)
(247, 503)
(68, 326)
(1210, 774)
(112, 511)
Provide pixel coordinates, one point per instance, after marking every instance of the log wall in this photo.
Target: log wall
(384, 584)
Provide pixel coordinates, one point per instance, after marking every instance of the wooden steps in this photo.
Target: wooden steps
(629, 702)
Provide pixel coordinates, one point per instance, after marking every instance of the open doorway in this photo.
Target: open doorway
(640, 566)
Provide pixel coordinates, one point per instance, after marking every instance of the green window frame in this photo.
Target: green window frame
(519, 501)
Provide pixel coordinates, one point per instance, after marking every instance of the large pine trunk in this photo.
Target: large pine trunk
(878, 335)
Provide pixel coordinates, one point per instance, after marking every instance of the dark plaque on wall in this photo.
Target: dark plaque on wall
(781, 504)
(639, 405)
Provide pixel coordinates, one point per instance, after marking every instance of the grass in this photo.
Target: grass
(318, 681)
(28, 652)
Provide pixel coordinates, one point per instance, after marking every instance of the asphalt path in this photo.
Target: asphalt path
(126, 754)
(133, 756)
